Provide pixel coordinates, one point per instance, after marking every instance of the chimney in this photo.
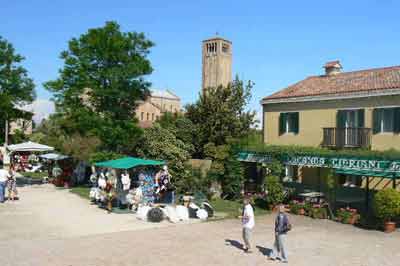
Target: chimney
(333, 68)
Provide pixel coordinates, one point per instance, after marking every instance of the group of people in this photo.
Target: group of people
(7, 183)
(282, 227)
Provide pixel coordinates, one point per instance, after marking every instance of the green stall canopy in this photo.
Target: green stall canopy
(128, 162)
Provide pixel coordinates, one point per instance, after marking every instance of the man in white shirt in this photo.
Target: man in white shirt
(248, 224)
(3, 183)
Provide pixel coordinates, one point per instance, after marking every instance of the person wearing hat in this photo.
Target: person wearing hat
(282, 227)
(247, 224)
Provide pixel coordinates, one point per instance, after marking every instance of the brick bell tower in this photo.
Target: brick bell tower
(217, 63)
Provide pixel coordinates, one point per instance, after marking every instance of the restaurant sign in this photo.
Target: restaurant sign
(357, 164)
(345, 163)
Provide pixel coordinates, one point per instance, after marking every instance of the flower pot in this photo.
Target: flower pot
(302, 211)
(389, 227)
(353, 219)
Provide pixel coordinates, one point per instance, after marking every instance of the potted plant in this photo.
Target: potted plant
(386, 207)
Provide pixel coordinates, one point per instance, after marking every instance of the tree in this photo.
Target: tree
(100, 84)
(16, 88)
(162, 144)
(221, 114)
(182, 127)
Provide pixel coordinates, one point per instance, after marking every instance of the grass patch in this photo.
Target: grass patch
(38, 175)
(233, 208)
(81, 191)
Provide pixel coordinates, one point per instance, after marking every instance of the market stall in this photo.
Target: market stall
(59, 167)
(145, 187)
(130, 180)
(24, 156)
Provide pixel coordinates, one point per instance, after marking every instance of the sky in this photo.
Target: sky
(275, 43)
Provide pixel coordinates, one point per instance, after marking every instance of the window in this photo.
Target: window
(289, 123)
(148, 116)
(386, 120)
(152, 117)
(141, 116)
(225, 48)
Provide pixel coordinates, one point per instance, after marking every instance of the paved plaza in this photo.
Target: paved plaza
(50, 226)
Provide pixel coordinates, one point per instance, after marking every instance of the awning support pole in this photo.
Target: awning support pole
(367, 196)
(394, 181)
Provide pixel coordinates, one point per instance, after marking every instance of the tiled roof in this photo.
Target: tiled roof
(346, 83)
(163, 94)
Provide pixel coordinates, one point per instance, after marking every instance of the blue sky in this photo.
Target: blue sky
(275, 43)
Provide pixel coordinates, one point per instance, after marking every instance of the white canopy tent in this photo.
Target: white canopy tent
(53, 156)
(29, 146)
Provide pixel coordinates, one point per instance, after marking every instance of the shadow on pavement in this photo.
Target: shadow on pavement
(265, 251)
(234, 243)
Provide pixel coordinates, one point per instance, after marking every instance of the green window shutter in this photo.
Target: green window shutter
(361, 118)
(282, 123)
(376, 120)
(397, 120)
(295, 121)
(341, 119)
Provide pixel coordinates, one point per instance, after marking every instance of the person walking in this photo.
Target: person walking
(282, 227)
(3, 183)
(247, 223)
(12, 185)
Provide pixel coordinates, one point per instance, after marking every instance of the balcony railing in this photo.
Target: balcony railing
(350, 137)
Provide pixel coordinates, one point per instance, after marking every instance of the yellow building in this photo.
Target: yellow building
(359, 109)
(337, 110)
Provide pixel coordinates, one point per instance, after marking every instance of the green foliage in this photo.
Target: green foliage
(221, 115)
(81, 191)
(226, 169)
(274, 191)
(274, 168)
(233, 208)
(18, 137)
(319, 213)
(181, 127)
(38, 175)
(100, 84)
(192, 181)
(161, 144)
(387, 204)
(16, 88)
(295, 207)
(104, 156)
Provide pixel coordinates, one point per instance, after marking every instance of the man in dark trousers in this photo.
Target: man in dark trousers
(282, 226)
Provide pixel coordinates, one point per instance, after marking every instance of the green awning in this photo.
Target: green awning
(128, 162)
(386, 174)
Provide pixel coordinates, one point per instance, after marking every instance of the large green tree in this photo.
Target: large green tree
(16, 88)
(100, 84)
(221, 115)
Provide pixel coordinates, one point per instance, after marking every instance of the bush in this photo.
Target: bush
(319, 213)
(387, 204)
(295, 207)
(155, 215)
(274, 191)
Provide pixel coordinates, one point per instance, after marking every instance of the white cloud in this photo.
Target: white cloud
(41, 108)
